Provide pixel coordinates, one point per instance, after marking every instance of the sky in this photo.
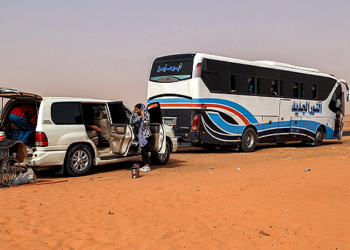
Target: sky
(105, 49)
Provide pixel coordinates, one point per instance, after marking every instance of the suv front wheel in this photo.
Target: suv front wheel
(78, 160)
(161, 159)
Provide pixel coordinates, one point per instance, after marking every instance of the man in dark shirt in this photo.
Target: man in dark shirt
(25, 117)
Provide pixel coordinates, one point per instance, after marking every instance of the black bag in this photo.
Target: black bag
(137, 127)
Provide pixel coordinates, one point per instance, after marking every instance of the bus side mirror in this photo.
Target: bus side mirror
(348, 95)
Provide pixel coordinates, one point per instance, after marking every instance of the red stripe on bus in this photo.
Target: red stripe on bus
(242, 117)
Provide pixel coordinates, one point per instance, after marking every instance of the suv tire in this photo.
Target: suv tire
(78, 160)
(161, 159)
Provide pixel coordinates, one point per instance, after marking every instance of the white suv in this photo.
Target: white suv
(63, 142)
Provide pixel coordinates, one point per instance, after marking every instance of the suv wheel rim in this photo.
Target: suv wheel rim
(162, 157)
(80, 160)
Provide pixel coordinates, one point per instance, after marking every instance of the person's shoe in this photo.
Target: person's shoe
(141, 169)
(145, 169)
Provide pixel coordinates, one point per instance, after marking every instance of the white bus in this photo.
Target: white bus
(218, 101)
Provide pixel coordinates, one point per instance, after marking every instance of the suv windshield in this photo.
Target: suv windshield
(172, 68)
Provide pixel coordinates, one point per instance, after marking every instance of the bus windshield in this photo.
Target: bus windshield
(172, 68)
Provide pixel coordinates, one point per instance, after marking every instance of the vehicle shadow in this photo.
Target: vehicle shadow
(173, 163)
(264, 146)
(48, 175)
(259, 147)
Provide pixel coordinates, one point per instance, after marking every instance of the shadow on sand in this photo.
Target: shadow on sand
(43, 175)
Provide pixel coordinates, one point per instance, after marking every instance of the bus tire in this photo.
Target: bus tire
(319, 137)
(249, 139)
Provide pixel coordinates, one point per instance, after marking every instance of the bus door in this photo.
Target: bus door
(284, 121)
(339, 116)
(342, 108)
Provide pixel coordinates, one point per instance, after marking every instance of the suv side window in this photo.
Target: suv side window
(117, 113)
(66, 113)
(128, 113)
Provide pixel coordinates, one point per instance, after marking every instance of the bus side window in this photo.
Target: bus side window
(281, 88)
(301, 90)
(295, 89)
(259, 86)
(268, 87)
(211, 80)
(251, 86)
(274, 87)
(314, 91)
(233, 84)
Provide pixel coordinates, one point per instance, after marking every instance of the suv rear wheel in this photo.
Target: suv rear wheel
(78, 160)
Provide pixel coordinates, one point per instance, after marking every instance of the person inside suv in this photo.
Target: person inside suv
(25, 117)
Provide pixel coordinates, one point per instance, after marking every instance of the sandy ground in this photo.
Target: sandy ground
(199, 200)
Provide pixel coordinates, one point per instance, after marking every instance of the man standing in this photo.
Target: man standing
(25, 117)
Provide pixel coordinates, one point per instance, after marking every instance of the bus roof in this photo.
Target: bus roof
(263, 63)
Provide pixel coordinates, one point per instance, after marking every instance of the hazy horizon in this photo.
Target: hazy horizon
(104, 49)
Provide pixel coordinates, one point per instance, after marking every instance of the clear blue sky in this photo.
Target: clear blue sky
(104, 49)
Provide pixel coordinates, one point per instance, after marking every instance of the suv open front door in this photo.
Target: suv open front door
(158, 142)
(121, 132)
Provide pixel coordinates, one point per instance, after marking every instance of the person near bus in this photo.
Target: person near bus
(25, 117)
(141, 120)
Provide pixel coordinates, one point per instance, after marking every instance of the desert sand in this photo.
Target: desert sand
(199, 200)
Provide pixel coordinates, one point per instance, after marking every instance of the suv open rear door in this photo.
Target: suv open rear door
(158, 142)
(9, 95)
(18, 95)
(121, 132)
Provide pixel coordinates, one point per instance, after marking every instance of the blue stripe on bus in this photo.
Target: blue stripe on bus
(169, 100)
(226, 137)
(308, 127)
(230, 104)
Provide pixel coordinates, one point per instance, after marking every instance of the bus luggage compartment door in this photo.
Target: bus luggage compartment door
(284, 120)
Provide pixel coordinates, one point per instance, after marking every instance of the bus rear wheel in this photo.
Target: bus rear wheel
(249, 139)
(319, 137)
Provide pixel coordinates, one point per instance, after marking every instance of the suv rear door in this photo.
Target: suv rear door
(121, 132)
(158, 142)
(15, 95)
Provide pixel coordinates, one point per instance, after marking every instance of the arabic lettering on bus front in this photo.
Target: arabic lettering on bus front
(171, 68)
(304, 108)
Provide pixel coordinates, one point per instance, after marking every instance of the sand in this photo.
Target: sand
(199, 200)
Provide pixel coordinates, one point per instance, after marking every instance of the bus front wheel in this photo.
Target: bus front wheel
(319, 137)
(249, 139)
